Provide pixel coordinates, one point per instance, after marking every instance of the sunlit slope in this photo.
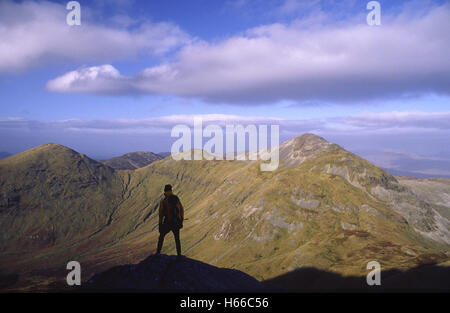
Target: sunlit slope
(320, 213)
(323, 207)
(52, 195)
(432, 190)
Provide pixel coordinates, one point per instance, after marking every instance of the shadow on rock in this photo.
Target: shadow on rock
(162, 273)
(424, 278)
(7, 280)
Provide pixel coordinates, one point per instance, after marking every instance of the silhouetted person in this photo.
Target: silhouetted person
(171, 216)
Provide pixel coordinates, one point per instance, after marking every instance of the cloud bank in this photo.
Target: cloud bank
(405, 142)
(301, 61)
(155, 125)
(35, 33)
(394, 122)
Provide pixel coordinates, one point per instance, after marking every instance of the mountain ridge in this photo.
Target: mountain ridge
(333, 210)
(298, 149)
(132, 160)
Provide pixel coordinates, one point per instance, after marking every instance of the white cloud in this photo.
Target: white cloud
(36, 33)
(407, 55)
(162, 124)
(384, 123)
(103, 79)
(392, 143)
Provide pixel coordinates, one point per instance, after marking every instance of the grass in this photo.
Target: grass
(103, 217)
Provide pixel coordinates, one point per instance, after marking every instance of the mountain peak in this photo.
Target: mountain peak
(52, 146)
(132, 160)
(49, 152)
(308, 139)
(293, 152)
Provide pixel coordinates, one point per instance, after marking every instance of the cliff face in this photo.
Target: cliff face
(167, 273)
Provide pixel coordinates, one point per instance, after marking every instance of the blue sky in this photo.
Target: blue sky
(118, 82)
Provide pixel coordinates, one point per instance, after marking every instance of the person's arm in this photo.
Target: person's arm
(161, 212)
(181, 210)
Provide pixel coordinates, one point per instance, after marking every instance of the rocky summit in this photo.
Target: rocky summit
(293, 152)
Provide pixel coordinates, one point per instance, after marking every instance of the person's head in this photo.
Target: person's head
(167, 188)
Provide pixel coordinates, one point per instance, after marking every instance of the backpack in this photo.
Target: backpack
(171, 211)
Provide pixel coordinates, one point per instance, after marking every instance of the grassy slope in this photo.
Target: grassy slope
(52, 198)
(56, 194)
(243, 218)
(264, 223)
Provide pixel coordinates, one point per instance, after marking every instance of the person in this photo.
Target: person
(171, 216)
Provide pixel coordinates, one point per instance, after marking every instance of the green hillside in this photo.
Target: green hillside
(324, 207)
(51, 195)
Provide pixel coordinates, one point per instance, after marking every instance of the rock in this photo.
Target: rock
(167, 273)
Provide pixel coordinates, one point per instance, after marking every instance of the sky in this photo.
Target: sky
(133, 69)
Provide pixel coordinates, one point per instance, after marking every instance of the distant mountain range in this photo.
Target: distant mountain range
(164, 154)
(133, 160)
(407, 164)
(323, 208)
(395, 163)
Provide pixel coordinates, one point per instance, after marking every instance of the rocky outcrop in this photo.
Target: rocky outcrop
(301, 148)
(167, 273)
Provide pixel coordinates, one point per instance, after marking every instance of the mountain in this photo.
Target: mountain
(166, 273)
(52, 196)
(4, 155)
(299, 149)
(164, 154)
(432, 190)
(133, 160)
(324, 207)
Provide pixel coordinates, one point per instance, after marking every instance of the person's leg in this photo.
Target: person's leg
(176, 234)
(162, 234)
